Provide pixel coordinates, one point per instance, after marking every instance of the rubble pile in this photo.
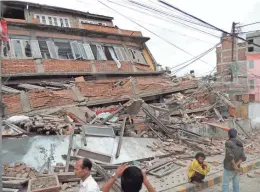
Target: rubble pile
(19, 170)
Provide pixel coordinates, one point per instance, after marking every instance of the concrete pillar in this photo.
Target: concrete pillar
(27, 15)
(93, 67)
(77, 95)
(39, 66)
(25, 102)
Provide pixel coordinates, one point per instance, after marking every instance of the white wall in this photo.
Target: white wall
(254, 114)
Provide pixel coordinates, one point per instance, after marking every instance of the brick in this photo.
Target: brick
(66, 66)
(15, 20)
(57, 35)
(140, 67)
(106, 66)
(12, 66)
(47, 98)
(12, 103)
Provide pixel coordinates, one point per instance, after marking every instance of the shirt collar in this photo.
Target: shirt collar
(85, 183)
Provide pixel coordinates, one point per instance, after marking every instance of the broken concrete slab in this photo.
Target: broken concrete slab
(98, 157)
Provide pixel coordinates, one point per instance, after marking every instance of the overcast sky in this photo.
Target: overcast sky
(220, 13)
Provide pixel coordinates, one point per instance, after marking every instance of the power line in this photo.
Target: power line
(249, 24)
(166, 19)
(167, 14)
(149, 31)
(170, 30)
(195, 58)
(223, 31)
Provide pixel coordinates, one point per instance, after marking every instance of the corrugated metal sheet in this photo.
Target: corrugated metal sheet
(34, 151)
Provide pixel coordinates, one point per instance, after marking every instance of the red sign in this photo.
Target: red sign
(3, 31)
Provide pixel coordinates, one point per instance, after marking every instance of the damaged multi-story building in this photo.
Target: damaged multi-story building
(51, 44)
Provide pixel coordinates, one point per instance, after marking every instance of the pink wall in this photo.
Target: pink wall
(252, 74)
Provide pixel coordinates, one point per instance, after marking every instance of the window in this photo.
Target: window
(43, 21)
(64, 49)
(61, 22)
(20, 48)
(252, 84)
(121, 54)
(250, 49)
(38, 18)
(5, 49)
(250, 41)
(66, 22)
(12, 12)
(251, 97)
(238, 97)
(137, 56)
(251, 64)
(98, 52)
(92, 22)
(55, 21)
(52, 20)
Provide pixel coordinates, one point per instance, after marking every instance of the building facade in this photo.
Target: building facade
(54, 42)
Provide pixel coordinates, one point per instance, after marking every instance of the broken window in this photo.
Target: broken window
(53, 50)
(77, 54)
(137, 56)
(121, 54)
(44, 49)
(92, 22)
(109, 53)
(64, 50)
(98, 52)
(13, 12)
(5, 49)
(88, 51)
(21, 48)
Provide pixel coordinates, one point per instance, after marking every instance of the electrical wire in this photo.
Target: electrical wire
(173, 31)
(169, 20)
(249, 24)
(218, 29)
(167, 14)
(149, 30)
(195, 59)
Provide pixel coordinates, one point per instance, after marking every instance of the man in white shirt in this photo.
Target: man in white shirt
(82, 169)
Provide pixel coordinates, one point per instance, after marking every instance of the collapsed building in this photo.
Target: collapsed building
(89, 86)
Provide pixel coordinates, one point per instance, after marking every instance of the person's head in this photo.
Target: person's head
(132, 180)
(232, 133)
(82, 168)
(200, 157)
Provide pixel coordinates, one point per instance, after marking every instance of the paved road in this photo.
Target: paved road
(246, 185)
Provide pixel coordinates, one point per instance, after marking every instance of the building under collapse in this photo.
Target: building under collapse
(49, 46)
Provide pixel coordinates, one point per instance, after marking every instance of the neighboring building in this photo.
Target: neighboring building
(46, 41)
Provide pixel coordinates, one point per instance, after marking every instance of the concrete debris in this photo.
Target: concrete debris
(19, 170)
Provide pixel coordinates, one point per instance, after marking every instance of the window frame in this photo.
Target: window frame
(252, 84)
(251, 64)
(12, 48)
(53, 20)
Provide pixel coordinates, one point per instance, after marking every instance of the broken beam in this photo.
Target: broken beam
(121, 138)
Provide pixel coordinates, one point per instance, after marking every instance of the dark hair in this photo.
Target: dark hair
(200, 154)
(86, 163)
(232, 133)
(132, 179)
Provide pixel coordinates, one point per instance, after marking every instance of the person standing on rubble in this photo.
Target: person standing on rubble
(82, 169)
(132, 179)
(233, 158)
(198, 168)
